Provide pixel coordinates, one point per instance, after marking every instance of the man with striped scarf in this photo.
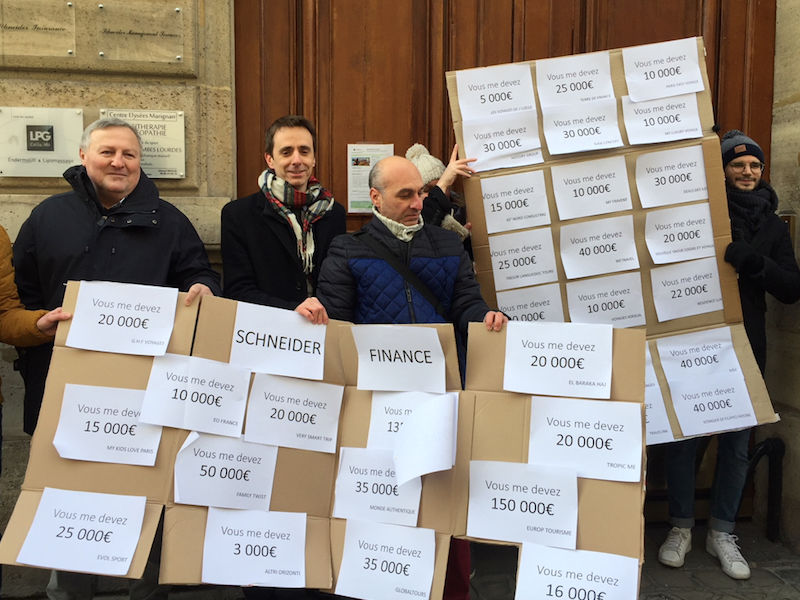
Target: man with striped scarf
(274, 241)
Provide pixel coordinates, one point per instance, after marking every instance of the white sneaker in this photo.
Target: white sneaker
(674, 549)
(724, 547)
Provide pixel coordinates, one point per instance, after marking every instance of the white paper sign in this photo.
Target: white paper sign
(615, 300)
(681, 233)
(367, 489)
(503, 141)
(662, 70)
(699, 354)
(253, 547)
(523, 259)
(591, 188)
(294, 413)
(101, 424)
(706, 382)
(595, 438)
(686, 289)
(712, 404)
(188, 392)
(123, 318)
(598, 247)
(427, 441)
(662, 120)
(487, 91)
(537, 304)
(419, 429)
(671, 177)
(399, 358)
(659, 431)
(515, 502)
(386, 561)
(277, 341)
(581, 127)
(82, 531)
(574, 79)
(515, 201)
(213, 470)
(559, 359)
(557, 573)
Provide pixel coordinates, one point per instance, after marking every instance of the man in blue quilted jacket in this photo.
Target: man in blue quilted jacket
(357, 285)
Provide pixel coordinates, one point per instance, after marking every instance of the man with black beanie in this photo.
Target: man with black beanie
(763, 255)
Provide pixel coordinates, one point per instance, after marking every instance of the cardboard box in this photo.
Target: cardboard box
(443, 504)
(610, 513)
(182, 552)
(338, 530)
(47, 469)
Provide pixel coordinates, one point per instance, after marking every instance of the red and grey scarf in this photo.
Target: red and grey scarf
(315, 202)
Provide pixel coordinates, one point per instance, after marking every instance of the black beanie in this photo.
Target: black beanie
(735, 143)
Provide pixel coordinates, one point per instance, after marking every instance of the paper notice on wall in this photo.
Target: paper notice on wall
(517, 502)
(360, 160)
(591, 188)
(523, 259)
(399, 358)
(581, 127)
(659, 430)
(552, 359)
(671, 177)
(680, 233)
(574, 79)
(662, 70)
(101, 424)
(615, 300)
(123, 318)
(277, 341)
(558, 573)
(390, 562)
(86, 532)
(213, 470)
(598, 247)
(597, 439)
(367, 489)
(662, 120)
(516, 201)
(686, 289)
(537, 304)
(253, 547)
(188, 392)
(293, 413)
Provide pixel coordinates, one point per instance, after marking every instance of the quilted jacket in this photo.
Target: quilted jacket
(356, 285)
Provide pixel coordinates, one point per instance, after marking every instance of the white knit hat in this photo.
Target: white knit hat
(429, 166)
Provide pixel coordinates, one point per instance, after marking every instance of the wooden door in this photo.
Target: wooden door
(374, 70)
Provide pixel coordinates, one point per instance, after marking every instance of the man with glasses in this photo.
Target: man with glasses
(763, 255)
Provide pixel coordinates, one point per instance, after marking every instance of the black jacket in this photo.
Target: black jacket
(70, 237)
(780, 277)
(259, 252)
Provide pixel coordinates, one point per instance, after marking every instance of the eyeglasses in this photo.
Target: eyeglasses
(755, 167)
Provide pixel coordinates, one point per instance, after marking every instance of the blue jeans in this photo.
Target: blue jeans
(730, 476)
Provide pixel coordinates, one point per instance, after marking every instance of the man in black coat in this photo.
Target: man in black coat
(274, 241)
(763, 255)
(112, 226)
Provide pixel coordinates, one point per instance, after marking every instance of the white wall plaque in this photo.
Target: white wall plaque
(163, 140)
(39, 142)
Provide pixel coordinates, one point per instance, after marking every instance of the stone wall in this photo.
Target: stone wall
(133, 72)
(783, 322)
(136, 75)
